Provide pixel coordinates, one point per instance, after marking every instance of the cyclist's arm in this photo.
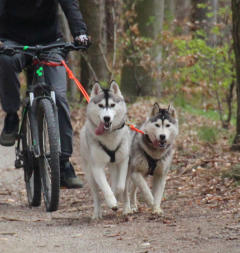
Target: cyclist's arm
(2, 5)
(74, 17)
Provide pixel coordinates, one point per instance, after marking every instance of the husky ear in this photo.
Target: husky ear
(155, 109)
(115, 89)
(172, 111)
(95, 90)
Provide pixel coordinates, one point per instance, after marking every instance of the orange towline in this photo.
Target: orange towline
(71, 76)
(133, 128)
(80, 86)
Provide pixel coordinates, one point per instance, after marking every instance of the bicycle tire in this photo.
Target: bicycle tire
(30, 166)
(49, 164)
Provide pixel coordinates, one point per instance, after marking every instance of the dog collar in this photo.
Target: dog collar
(122, 126)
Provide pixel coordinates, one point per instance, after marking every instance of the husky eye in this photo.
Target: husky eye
(100, 105)
(157, 125)
(168, 125)
(112, 105)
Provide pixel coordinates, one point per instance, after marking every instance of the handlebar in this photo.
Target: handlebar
(35, 50)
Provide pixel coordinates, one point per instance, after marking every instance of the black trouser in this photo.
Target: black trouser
(10, 67)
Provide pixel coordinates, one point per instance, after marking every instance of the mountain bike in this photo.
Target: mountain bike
(38, 142)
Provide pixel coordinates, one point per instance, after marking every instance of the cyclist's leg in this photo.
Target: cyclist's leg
(56, 78)
(10, 66)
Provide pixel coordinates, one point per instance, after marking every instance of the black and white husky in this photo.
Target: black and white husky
(151, 154)
(105, 142)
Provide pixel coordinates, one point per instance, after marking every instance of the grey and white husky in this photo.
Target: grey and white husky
(151, 154)
(105, 142)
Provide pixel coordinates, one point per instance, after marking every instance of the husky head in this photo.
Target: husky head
(106, 110)
(161, 128)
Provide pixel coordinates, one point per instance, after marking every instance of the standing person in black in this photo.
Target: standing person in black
(34, 22)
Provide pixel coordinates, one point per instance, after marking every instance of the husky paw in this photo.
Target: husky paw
(111, 201)
(157, 210)
(134, 209)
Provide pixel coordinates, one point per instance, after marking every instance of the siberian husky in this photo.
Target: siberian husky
(151, 154)
(105, 142)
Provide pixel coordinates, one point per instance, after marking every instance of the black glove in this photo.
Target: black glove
(82, 40)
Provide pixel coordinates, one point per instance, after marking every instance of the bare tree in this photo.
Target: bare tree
(236, 44)
(135, 78)
(94, 14)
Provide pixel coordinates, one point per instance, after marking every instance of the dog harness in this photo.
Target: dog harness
(152, 163)
(111, 153)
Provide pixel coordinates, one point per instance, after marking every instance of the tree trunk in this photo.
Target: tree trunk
(110, 24)
(236, 45)
(213, 22)
(199, 14)
(94, 15)
(136, 80)
(170, 12)
(183, 14)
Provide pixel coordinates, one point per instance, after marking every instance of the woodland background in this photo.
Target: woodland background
(185, 52)
(181, 51)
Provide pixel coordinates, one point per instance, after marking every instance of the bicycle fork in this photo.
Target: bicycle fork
(32, 111)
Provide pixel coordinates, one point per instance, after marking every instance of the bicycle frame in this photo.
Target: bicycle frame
(37, 90)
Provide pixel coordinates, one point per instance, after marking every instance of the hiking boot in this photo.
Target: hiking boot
(68, 177)
(10, 129)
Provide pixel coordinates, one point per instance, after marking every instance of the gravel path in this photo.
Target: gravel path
(183, 229)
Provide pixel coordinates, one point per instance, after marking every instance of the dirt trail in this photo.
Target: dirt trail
(184, 228)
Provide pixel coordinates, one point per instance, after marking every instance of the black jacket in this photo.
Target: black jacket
(37, 21)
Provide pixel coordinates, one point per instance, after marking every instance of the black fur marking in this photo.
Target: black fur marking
(106, 96)
(163, 114)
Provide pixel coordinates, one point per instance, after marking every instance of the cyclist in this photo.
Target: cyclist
(32, 22)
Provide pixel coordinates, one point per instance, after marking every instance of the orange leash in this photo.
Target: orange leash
(71, 76)
(133, 128)
(81, 88)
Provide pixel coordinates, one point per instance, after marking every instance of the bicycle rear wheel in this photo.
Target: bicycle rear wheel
(31, 171)
(49, 160)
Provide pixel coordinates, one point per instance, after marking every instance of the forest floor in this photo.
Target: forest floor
(201, 204)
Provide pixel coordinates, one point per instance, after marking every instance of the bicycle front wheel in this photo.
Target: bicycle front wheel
(30, 166)
(49, 160)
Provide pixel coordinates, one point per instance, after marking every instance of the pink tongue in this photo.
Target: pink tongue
(100, 129)
(156, 143)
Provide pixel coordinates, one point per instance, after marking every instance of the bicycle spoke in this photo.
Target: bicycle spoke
(49, 165)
